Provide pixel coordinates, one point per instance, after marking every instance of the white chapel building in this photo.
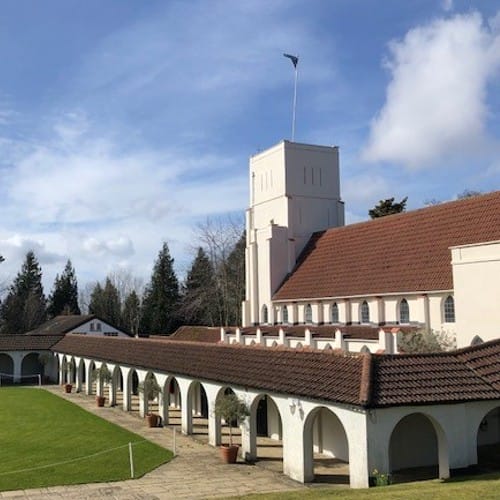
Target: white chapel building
(355, 287)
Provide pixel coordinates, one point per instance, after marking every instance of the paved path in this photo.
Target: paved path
(196, 472)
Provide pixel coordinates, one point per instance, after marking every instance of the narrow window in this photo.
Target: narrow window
(449, 310)
(308, 314)
(265, 315)
(404, 312)
(285, 315)
(320, 177)
(365, 312)
(305, 175)
(312, 175)
(335, 313)
(98, 327)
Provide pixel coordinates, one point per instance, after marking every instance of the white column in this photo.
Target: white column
(143, 401)
(186, 410)
(79, 375)
(214, 425)
(88, 376)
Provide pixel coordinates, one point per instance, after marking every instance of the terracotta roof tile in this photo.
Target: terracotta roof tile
(304, 373)
(399, 253)
(196, 334)
(364, 380)
(61, 324)
(28, 342)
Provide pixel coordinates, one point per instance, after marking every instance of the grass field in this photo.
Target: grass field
(39, 432)
(485, 487)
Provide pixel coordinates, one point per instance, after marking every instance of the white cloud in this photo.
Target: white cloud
(17, 246)
(436, 102)
(121, 246)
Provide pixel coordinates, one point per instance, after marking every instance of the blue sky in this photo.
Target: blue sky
(125, 123)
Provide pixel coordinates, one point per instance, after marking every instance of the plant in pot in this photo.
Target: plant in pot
(44, 358)
(231, 409)
(103, 376)
(150, 390)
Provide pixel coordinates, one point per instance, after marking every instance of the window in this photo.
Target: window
(98, 327)
(335, 313)
(265, 315)
(404, 312)
(91, 327)
(308, 314)
(365, 312)
(285, 315)
(449, 310)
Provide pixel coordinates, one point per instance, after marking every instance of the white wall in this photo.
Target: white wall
(98, 328)
(476, 278)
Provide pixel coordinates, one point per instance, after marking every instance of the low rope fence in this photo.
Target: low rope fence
(79, 459)
(10, 377)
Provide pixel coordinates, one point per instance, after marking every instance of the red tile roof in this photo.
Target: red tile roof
(61, 324)
(366, 380)
(399, 253)
(28, 342)
(196, 334)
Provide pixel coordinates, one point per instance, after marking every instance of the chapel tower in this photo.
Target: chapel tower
(294, 191)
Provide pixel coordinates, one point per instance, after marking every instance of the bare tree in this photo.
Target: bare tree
(219, 238)
(126, 283)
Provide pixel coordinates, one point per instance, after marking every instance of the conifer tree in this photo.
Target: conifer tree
(161, 297)
(105, 303)
(131, 313)
(64, 296)
(24, 308)
(199, 298)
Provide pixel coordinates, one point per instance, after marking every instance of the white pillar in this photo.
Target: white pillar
(88, 376)
(79, 377)
(143, 401)
(186, 410)
(214, 425)
(127, 388)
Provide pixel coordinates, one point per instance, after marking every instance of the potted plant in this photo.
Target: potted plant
(151, 391)
(44, 359)
(103, 376)
(231, 409)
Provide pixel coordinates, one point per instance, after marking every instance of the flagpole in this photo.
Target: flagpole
(294, 60)
(294, 103)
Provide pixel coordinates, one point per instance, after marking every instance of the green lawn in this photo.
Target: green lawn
(485, 487)
(40, 431)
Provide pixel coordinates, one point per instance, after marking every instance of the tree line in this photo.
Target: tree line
(210, 295)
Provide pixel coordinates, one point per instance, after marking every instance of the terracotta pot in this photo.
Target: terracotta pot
(100, 400)
(229, 454)
(67, 388)
(152, 420)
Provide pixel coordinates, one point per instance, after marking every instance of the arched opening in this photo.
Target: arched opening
(265, 315)
(414, 449)
(404, 312)
(268, 438)
(284, 313)
(334, 313)
(365, 312)
(328, 348)
(90, 380)
(308, 315)
(199, 410)
(449, 310)
(6, 369)
(326, 449)
(364, 350)
(223, 427)
(488, 442)
(172, 402)
(477, 340)
(31, 368)
(71, 370)
(117, 387)
(133, 387)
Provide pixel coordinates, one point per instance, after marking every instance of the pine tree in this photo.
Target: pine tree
(161, 298)
(131, 313)
(24, 308)
(105, 303)
(387, 207)
(64, 296)
(235, 272)
(199, 298)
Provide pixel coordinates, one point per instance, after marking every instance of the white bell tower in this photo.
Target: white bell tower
(294, 191)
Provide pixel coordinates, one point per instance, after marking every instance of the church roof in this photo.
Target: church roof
(407, 252)
(365, 380)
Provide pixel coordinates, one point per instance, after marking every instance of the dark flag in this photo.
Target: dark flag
(294, 59)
